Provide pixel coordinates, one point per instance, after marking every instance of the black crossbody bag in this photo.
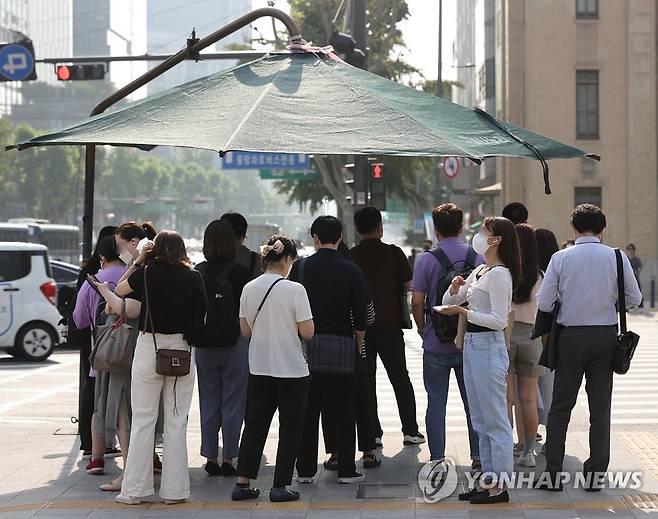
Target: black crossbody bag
(626, 341)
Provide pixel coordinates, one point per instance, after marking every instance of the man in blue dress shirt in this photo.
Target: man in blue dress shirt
(584, 279)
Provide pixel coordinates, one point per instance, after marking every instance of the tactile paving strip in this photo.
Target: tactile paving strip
(644, 447)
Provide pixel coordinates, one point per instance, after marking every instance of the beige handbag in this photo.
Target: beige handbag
(115, 344)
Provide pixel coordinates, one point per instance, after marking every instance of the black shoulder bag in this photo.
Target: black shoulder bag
(627, 340)
(168, 363)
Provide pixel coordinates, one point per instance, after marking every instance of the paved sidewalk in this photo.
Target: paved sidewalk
(42, 473)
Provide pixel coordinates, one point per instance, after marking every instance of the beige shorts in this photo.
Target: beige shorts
(524, 352)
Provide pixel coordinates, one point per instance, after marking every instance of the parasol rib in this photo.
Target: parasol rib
(251, 110)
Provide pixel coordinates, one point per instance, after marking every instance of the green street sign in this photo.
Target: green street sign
(287, 174)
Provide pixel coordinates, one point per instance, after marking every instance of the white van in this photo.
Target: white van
(28, 296)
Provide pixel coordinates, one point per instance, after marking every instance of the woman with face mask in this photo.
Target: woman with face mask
(488, 292)
(274, 312)
(128, 237)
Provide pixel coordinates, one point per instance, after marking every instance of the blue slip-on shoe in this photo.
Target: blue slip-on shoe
(281, 495)
(244, 493)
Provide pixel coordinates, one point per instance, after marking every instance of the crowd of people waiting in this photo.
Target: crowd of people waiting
(266, 332)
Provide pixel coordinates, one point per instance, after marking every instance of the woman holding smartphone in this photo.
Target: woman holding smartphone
(488, 292)
(112, 390)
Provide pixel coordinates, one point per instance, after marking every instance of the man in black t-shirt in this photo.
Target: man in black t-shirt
(245, 257)
(388, 276)
(337, 293)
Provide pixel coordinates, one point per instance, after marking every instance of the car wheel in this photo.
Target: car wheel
(35, 342)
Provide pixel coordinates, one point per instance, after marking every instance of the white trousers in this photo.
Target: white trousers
(146, 388)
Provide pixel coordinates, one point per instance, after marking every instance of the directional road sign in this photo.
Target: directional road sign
(253, 160)
(17, 62)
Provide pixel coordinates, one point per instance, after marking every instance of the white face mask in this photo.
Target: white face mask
(480, 244)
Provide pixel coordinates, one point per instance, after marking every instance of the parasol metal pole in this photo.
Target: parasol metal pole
(193, 48)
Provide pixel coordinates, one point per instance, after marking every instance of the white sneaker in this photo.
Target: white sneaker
(127, 500)
(527, 459)
(304, 480)
(413, 440)
(357, 477)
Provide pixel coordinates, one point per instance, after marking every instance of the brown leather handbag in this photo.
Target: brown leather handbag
(168, 363)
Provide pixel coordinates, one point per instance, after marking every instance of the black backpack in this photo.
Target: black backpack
(445, 326)
(222, 327)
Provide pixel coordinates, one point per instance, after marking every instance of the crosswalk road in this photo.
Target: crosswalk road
(634, 399)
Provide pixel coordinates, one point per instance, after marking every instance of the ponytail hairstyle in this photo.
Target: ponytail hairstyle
(131, 230)
(529, 263)
(276, 248)
(508, 249)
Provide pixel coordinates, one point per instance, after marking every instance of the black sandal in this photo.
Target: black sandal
(331, 463)
(370, 461)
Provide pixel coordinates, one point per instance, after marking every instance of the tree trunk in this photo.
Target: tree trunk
(330, 168)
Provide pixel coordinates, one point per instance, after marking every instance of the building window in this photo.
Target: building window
(587, 9)
(587, 104)
(587, 168)
(588, 195)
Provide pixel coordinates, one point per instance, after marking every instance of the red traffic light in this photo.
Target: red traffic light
(63, 72)
(378, 171)
(80, 72)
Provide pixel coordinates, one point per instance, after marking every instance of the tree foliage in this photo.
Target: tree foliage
(406, 177)
(47, 182)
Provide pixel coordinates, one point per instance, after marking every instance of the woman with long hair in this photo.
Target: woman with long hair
(173, 297)
(547, 245)
(275, 313)
(222, 358)
(524, 370)
(111, 402)
(81, 338)
(488, 292)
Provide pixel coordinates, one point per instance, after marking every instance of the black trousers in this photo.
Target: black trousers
(388, 343)
(588, 351)
(334, 396)
(82, 340)
(264, 396)
(365, 415)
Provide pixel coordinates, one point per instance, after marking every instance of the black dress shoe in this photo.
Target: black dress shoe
(228, 470)
(548, 483)
(484, 498)
(212, 468)
(466, 496)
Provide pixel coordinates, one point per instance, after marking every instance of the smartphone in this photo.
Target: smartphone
(440, 308)
(126, 257)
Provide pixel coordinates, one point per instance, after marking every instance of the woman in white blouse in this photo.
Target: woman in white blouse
(488, 292)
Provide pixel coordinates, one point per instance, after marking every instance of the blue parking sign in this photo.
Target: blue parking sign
(16, 62)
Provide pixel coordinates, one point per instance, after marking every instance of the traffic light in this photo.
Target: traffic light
(377, 186)
(344, 44)
(84, 72)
